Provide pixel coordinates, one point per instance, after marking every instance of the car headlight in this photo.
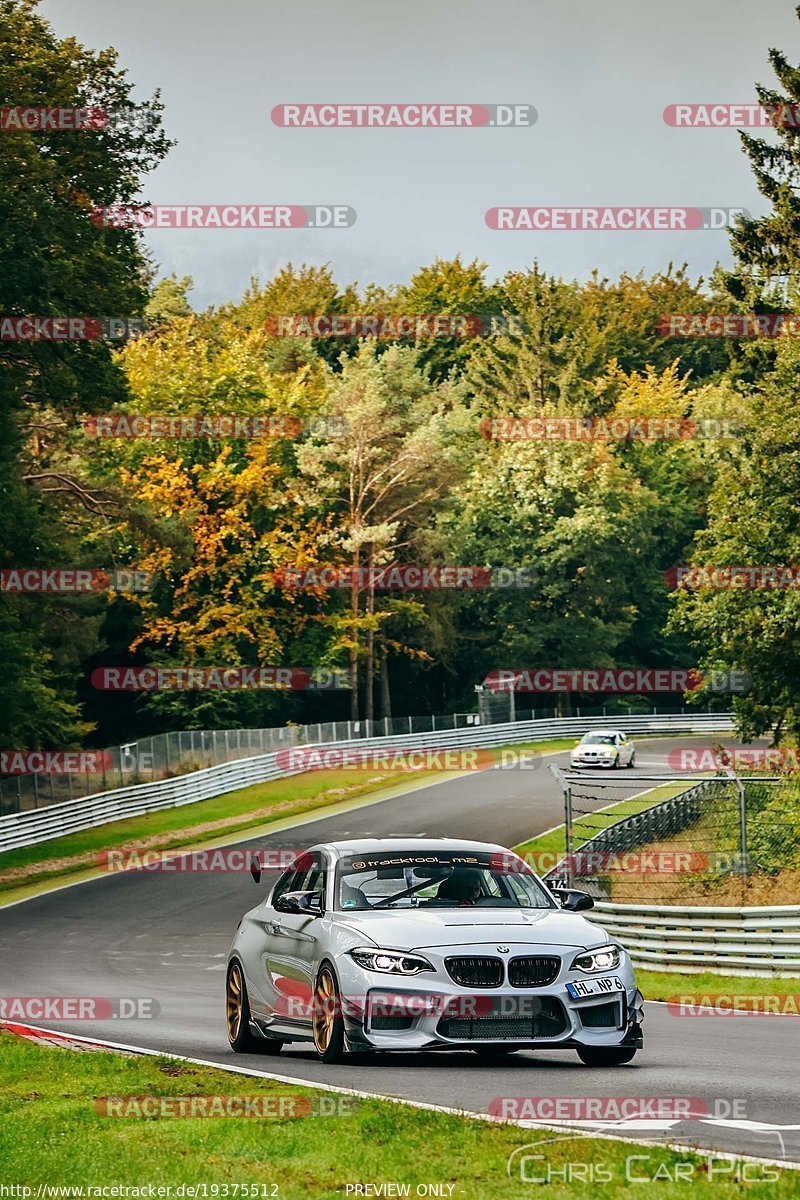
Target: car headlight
(603, 959)
(390, 962)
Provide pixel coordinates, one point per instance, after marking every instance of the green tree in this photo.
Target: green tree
(754, 520)
(168, 300)
(772, 243)
(55, 262)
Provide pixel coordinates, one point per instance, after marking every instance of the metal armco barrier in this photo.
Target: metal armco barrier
(42, 825)
(739, 941)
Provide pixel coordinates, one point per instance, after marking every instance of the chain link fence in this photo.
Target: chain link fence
(166, 755)
(726, 839)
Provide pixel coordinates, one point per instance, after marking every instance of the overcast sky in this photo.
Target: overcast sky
(598, 75)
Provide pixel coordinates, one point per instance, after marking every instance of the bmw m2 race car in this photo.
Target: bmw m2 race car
(426, 944)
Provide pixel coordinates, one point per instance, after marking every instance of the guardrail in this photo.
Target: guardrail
(741, 941)
(41, 825)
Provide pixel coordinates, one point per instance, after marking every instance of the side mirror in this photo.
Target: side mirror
(309, 903)
(255, 868)
(573, 900)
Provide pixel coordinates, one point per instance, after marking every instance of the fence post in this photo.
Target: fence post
(568, 833)
(739, 785)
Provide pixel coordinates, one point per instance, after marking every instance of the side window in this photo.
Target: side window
(288, 882)
(315, 878)
(307, 875)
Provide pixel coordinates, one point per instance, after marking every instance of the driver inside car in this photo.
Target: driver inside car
(463, 886)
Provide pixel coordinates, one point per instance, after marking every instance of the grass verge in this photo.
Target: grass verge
(246, 811)
(741, 990)
(53, 1135)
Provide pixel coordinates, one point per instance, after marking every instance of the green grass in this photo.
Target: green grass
(666, 985)
(216, 820)
(51, 1134)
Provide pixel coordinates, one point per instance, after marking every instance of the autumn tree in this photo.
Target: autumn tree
(381, 479)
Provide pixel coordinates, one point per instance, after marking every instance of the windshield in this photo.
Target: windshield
(439, 879)
(599, 739)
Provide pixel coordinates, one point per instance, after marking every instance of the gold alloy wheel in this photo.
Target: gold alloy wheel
(233, 1002)
(324, 1010)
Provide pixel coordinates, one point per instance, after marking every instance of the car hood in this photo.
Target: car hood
(469, 927)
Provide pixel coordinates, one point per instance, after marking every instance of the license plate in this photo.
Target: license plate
(579, 988)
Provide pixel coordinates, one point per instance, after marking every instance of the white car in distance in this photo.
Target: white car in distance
(603, 748)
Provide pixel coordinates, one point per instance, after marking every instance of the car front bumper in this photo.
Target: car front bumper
(581, 760)
(388, 1013)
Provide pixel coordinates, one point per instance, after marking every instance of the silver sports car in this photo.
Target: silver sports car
(424, 944)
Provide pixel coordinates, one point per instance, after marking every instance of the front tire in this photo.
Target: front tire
(327, 1020)
(237, 1017)
(606, 1056)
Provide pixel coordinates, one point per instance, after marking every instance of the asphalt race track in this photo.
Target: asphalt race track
(166, 936)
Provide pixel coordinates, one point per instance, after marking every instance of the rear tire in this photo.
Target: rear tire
(237, 1016)
(327, 1020)
(632, 763)
(606, 1056)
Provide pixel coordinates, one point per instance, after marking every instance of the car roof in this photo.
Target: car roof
(373, 845)
(605, 732)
